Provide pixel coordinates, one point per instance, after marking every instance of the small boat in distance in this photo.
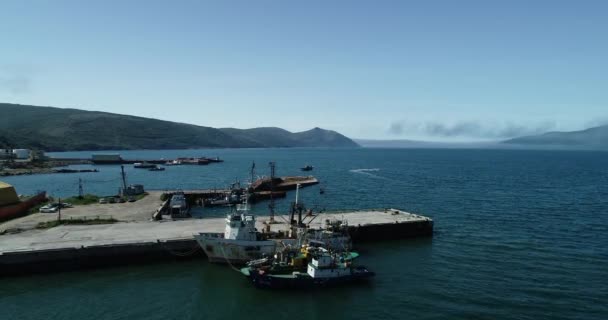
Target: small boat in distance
(157, 168)
(216, 159)
(307, 168)
(143, 165)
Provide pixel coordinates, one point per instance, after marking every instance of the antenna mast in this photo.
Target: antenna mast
(271, 205)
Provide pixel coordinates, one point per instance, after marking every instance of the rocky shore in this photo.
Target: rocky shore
(46, 167)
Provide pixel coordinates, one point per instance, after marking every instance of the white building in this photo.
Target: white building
(22, 153)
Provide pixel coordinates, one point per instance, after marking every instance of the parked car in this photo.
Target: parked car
(111, 200)
(49, 208)
(63, 205)
(103, 200)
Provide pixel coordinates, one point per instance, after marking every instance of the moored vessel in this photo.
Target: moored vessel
(239, 243)
(178, 206)
(242, 242)
(143, 165)
(324, 269)
(307, 168)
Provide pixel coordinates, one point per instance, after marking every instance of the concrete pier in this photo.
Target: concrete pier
(70, 247)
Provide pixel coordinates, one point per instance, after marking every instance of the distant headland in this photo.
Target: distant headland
(57, 129)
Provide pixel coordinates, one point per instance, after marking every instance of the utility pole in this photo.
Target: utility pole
(59, 211)
(124, 179)
(10, 154)
(80, 192)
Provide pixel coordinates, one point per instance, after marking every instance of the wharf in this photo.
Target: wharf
(193, 196)
(178, 161)
(283, 183)
(69, 247)
(118, 160)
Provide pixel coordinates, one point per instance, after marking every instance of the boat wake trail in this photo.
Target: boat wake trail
(364, 170)
(368, 172)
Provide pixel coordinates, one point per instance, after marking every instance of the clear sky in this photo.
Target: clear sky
(438, 70)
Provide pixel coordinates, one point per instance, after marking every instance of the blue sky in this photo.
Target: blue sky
(435, 70)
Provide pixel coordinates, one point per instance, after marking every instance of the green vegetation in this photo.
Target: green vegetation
(55, 129)
(72, 221)
(277, 137)
(86, 199)
(140, 196)
(91, 199)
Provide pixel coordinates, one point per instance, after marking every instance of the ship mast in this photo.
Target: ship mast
(245, 205)
(252, 174)
(271, 205)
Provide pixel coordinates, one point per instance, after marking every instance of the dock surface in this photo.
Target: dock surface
(82, 236)
(73, 247)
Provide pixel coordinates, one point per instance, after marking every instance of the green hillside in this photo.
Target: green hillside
(263, 137)
(277, 137)
(56, 129)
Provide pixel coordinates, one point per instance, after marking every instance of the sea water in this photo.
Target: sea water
(518, 235)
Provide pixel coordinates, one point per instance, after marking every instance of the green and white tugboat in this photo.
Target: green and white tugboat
(322, 269)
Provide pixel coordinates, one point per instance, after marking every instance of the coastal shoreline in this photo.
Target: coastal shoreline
(46, 167)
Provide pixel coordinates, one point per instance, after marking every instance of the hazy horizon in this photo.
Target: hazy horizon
(433, 71)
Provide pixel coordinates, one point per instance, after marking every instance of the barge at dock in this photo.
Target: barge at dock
(117, 159)
(283, 183)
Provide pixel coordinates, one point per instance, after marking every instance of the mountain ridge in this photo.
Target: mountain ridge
(590, 138)
(63, 129)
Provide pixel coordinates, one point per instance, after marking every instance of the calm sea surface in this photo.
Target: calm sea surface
(518, 235)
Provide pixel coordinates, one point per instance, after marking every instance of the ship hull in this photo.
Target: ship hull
(305, 281)
(220, 250)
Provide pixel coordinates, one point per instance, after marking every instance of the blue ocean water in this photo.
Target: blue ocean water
(518, 235)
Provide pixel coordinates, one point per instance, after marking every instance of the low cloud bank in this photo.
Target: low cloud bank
(469, 129)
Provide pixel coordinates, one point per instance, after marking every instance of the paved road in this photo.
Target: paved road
(140, 210)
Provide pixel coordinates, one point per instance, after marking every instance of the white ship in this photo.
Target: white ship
(241, 242)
